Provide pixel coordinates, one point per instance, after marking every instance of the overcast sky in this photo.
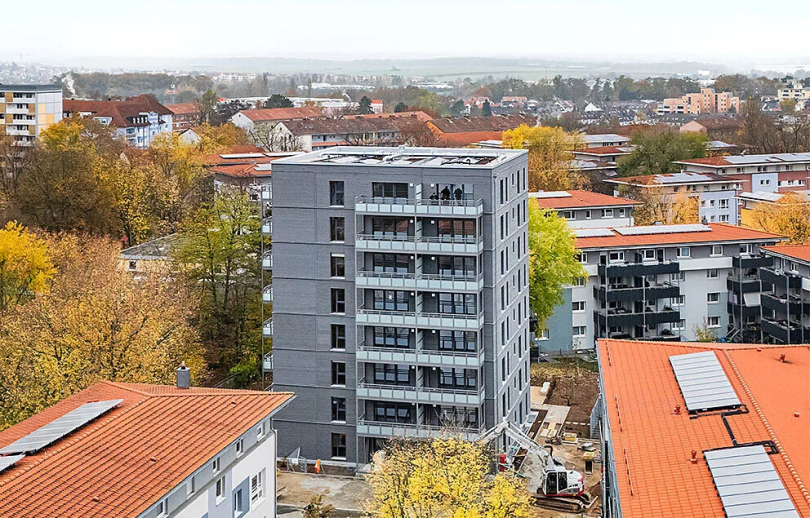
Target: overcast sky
(630, 30)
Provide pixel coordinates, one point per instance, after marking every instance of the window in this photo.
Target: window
(337, 230)
(462, 227)
(389, 190)
(391, 263)
(621, 213)
(338, 336)
(607, 213)
(615, 257)
(579, 331)
(543, 334)
(392, 412)
(717, 250)
(684, 251)
(133, 265)
(723, 204)
(336, 194)
(578, 306)
(339, 409)
(338, 300)
(455, 266)
(713, 298)
(338, 373)
(568, 214)
(457, 378)
(587, 214)
(257, 487)
(681, 324)
(583, 258)
(390, 227)
(392, 374)
(580, 281)
(215, 465)
(220, 489)
(712, 273)
(260, 432)
(238, 506)
(338, 445)
(337, 266)
(457, 340)
(723, 218)
(649, 254)
(162, 508)
(457, 303)
(713, 322)
(240, 447)
(391, 337)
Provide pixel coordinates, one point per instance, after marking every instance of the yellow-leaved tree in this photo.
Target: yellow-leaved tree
(442, 478)
(25, 265)
(551, 156)
(96, 322)
(667, 209)
(789, 216)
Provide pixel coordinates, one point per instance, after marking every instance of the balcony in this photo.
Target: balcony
(420, 244)
(369, 427)
(626, 294)
(267, 261)
(13, 109)
(267, 328)
(267, 362)
(267, 294)
(745, 311)
(751, 261)
(375, 317)
(437, 358)
(414, 394)
(746, 284)
(266, 193)
(781, 305)
(611, 317)
(419, 281)
(780, 330)
(418, 207)
(10, 130)
(780, 278)
(638, 269)
(267, 226)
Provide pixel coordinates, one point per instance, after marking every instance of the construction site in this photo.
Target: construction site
(553, 452)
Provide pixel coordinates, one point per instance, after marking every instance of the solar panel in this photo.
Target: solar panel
(703, 382)
(60, 427)
(593, 232)
(662, 229)
(748, 484)
(8, 461)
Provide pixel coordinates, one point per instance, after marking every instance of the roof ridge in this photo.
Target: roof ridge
(124, 386)
(771, 432)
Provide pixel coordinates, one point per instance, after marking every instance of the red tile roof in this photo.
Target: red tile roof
(798, 252)
(720, 232)
(583, 199)
(417, 115)
(498, 123)
(652, 444)
(280, 114)
(124, 461)
(184, 108)
(715, 161)
(605, 150)
(120, 112)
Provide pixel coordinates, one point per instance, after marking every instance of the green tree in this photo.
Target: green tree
(278, 101)
(400, 107)
(25, 265)
(654, 152)
(553, 261)
(364, 106)
(486, 109)
(457, 109)
(207, 106)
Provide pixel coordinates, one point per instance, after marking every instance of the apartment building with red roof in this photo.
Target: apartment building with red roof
(186, 115)
(784, 294)
(585, 209)
(269, 117)
(123, 450)
(466, 131)
(703, 429)
(138, 120)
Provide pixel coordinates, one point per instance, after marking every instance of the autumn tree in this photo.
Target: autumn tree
(550, 156)
(789, 216)
(442, 478)
(25, 265)
(656, 206)
(553, 260)
(96, 322)
(656, 151)
(218, 139)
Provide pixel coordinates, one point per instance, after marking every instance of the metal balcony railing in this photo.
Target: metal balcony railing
(474, 429)
(426, 276)
(361, 383)
(385, 200)
(362, 346)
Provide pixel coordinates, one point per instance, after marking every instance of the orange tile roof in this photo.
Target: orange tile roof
(605, 150)
(720, 232)
(583, 199)
(652, 444)
(184, 108)
(279, 114)
(798, 252)
(712, 161)
(124, 461)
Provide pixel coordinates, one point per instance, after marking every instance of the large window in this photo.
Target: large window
(457, 378)
(391, 337)
(390, 263)
(453, 417)
(339, 445)
(338, 336)
(389, 190)
(456, 266)
(337, 229)
(391, 300)
(457, 340)
(390, 227)
(392, 374)
(338, 373)
(336, 194)
(456, 227)
(338, 300)
(457, 304)
(392, 412)
(257, 487)
(337, 266)
(339, 409)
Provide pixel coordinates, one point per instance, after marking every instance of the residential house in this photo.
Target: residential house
(785, 294)
(27, 110)
(793, 90)
(466, 131)
(314, 134)
(605, 140)
(153, 256)
(702, 429)
(715, 127)
(185, 116)
(131, 450)
(139, 120)
(703, 102)
(767, 173)
(585, 209)
(249, 120)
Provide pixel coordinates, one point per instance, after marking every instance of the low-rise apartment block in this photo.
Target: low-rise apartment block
(585, 209)
(705, 101)
(605, 140)
(138, 120)
(785, 294)
(184, 116)
(780, 172)
(660, 282)
(27, 110)
(400, 296)
(131, 450)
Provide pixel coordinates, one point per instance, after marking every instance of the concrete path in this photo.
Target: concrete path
(553, 422)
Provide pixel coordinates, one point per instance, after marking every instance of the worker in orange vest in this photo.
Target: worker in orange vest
(318, 467)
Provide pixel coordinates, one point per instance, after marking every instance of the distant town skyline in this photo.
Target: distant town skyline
(617, 30)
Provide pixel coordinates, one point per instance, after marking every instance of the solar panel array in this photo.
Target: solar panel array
(748, 484)
(593, 232)
(662, 229)
(8, 461)
(60, 427)
(703, 382)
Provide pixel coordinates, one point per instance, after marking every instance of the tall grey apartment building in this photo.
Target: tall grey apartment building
(400, 295)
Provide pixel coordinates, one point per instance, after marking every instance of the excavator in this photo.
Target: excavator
(560, 489)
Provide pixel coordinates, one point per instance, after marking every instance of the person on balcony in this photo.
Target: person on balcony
(446, 193)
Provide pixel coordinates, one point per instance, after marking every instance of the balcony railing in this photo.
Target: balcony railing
(267, 294)
(788, 333)
(784, 304)
(367, 426)
(422, 281)
(603, 317)
(462, 240)
(751, 261)
(431, 357)
(267, 261)
(418, 319)
(748, 284)
(630, 293)
(633, 269)
(267, 328)
(419, 206)
(267, 225)
(479, 391)
(780, 278)
(267, 362)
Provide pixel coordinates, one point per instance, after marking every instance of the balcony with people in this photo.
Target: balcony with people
(434, 200)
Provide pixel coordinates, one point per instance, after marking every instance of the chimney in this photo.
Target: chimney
(183, 376)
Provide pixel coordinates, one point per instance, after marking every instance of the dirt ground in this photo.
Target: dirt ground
(295, 490)
(574, 383)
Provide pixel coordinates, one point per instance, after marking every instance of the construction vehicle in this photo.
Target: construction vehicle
(561, 489)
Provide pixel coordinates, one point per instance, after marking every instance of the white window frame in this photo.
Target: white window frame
(257, 487)
(619, 257)
(215, 465)
(713, 253)
(607, 213)
(583, 257)
(219, 490)
(260, 432)
(576, 334)
(568, 214)
(713, 298)
(240, 447)
(712, 273)
(649, 254)
(710, 320)
(681, 249)
(578, 304)
(162, 508)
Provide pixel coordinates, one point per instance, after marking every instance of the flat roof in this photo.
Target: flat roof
(655, 235)
(407, 157)
(30, 88)
(605, 137)
(682, 178)
(743, 160)
(652, 442)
